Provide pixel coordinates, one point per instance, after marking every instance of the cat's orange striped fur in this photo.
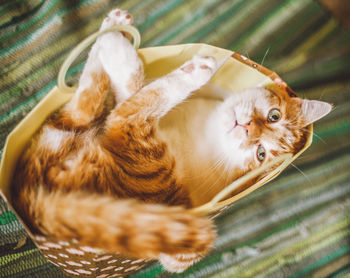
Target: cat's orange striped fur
(122, 183)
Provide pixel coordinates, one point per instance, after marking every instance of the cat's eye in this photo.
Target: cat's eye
(261, 153)
(274, 115)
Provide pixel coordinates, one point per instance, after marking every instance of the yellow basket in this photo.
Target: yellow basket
(236, 73)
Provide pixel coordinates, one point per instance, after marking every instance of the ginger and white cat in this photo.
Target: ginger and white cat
(121, 182)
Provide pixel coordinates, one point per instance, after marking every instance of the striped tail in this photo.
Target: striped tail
(126, 226)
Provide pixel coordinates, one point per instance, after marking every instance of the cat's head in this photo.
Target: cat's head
(264, 122)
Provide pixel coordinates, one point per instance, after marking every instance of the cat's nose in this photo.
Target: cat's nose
(246, 126)
(243, 125)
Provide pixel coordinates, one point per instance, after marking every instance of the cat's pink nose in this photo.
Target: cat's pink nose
(249, 127)
(246, 126)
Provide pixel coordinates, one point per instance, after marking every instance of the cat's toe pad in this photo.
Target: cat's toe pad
(117, 17)
(200, 63)
(199, 70)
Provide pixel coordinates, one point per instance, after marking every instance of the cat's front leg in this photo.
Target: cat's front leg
(175, 87)
(156, 99)
(119, 58)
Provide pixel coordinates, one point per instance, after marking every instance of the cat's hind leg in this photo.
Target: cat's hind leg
(112, 62)
(119, 58)
(87, 102)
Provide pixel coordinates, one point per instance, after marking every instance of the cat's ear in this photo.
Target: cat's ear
(314, 110)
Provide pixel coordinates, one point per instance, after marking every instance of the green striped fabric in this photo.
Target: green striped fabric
(296, 226)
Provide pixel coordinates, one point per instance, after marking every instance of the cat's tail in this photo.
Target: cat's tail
(126, 226)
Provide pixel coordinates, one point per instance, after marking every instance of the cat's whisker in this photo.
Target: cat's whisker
(304, 175)
(255, 140)
(296, 127)
(308, 131)
(297, 116)
(316, 135)
(263, 59)
(212, 170)
(227, 174)
(223, 172)
(220, 164)
(334, 108)
(322, 94)
(247, 55)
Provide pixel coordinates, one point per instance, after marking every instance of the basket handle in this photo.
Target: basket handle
(62, 86)
(283, 161)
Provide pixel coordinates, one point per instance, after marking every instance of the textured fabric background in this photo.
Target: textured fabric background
(297, 225)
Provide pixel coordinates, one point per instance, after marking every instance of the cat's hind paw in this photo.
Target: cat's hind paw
(117, 17)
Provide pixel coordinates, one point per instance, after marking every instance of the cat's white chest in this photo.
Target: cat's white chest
(192, 139)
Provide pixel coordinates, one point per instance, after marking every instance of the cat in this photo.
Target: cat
(122, 180)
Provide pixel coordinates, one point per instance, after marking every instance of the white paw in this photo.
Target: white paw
(199, 63)
(178, 263)
(117, 17)
(200, 68)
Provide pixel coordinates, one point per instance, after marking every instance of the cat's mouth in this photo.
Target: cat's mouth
(235, 124)
(237, 128)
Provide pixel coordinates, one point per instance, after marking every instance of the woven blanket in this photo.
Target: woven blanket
(296, 226)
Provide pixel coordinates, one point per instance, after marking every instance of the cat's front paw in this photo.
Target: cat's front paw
(180, 262)
(200, 69)
(117, 17)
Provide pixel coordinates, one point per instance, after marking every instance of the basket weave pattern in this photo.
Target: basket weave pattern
(84, 261)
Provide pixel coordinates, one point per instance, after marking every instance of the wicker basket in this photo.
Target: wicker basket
(236, 73)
